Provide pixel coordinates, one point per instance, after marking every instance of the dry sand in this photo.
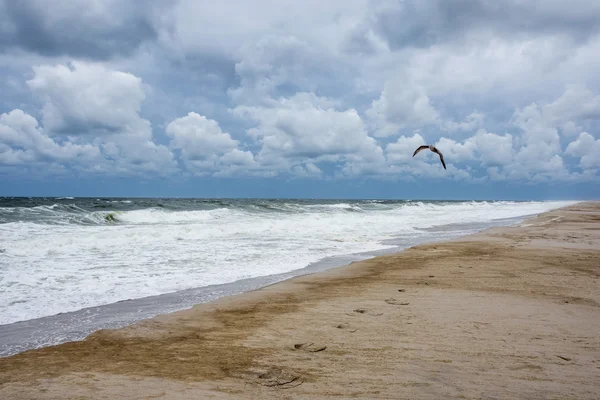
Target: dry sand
(507, 313)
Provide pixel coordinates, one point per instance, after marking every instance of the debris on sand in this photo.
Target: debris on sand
(395, 302)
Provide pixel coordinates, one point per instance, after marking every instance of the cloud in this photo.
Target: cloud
(278, 66)
(577, 105)
(401, 105)
(471, 122)
(306, 128)
(90, 107)
(507, 92)
(83, 98)
(455, 151)
(475, 76)
(22, 142)
(198, 137)
(402, 165)
(534, 155)
(402, 150)
(97, 30)
(200, 27)
(404, 105)
(587, 149)
(493, 149)
(205, 148)
(412, 23)
(308, 170)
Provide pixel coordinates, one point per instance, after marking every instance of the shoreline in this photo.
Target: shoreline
(76, 325)
(506, 312)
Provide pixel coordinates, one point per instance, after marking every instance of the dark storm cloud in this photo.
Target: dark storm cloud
(77, 29)
(415, 23)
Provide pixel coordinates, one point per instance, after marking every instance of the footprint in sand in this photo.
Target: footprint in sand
(395, 302)
(346, 327)
(283, 379)
(310, 347)
(364, 311)
(564, 358)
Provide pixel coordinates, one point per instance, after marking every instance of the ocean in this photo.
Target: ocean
(69, 266)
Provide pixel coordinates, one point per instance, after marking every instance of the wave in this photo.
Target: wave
(149, 211)
(160, 216)
(54, 214)
(337, 207)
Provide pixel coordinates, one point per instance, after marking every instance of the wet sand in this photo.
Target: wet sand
(506, 313)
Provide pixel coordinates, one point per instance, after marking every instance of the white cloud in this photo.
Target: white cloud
(401, 105)
(405, 105)
(587, 149)
(307, 127)
(205, 148)
(456, 151)
(84, 98)
(577, 102)
(239, 157)
(402, 150)
(471, 122)
(494, 149)
(488, 148)
(198, 137)
(91, 108)
(540, 141)
(22, 142)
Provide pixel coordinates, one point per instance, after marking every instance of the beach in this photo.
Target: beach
(510, 312)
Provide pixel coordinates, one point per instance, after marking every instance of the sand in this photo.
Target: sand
(506, 313)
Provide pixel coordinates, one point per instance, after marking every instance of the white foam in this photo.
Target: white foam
(47, 269)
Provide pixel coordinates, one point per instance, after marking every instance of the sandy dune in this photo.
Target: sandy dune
(507, 313)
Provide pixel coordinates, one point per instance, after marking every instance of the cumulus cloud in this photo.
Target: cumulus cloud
(493, 149)
(455, 151)
(507, 92)
(90, 107)
(587, 149)
(401, 105)
(198, 137)
(402, 165)
(22, 142)
(402, 150)
(83, 98)
(205, 148)
(534, 155)
(307, 128)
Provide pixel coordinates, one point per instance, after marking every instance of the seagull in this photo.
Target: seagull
(432, 148)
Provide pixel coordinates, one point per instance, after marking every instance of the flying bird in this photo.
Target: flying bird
(432, 148)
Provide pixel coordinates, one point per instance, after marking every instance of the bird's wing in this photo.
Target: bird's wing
(435, 150)
(419, 149)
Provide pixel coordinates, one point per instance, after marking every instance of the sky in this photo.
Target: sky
(316, 99)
